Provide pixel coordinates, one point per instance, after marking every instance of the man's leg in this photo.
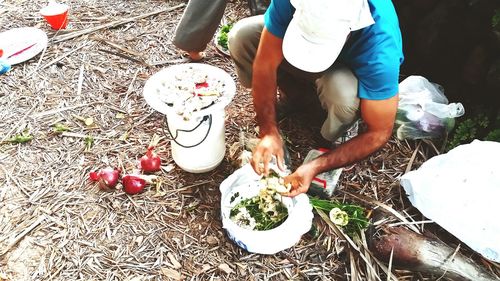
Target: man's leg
(338, 94)
(243, 41)
(198, 24)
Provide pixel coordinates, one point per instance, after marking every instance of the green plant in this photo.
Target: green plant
(356, 220)
(476, 127)
(60, 128)
(493, 135)
(23, 137)
(495, 20)
(222, 38)
(89, 142)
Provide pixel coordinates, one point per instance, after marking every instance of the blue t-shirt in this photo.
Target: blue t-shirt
(374, 53)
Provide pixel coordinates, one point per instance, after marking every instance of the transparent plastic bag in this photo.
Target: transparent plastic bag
(423, 110)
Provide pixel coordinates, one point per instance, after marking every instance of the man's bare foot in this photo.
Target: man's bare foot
(196, 56)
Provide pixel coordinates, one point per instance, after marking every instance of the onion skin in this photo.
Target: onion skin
(150, 162)
(107, 178)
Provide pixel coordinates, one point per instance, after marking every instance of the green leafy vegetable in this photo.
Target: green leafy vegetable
(495, 20)
(222, 38)
(261, 212)
(356, 218)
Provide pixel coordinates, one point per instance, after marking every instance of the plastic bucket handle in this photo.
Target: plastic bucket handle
(174, 138)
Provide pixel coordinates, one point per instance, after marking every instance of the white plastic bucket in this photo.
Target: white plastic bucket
(198, 145)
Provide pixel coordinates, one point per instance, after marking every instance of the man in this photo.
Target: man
(350, 49)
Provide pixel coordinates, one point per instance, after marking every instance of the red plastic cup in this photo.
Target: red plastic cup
(56, 15)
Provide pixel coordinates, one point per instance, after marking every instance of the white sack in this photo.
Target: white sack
(460, 191)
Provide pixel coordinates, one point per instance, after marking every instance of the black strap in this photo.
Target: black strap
(174, 138)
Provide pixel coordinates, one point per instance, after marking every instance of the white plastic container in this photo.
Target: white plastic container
(245, 183)
(198, 144)
(202, 149)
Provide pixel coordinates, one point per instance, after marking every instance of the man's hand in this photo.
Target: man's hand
(300, 180)
(269, 145)
(268, 58)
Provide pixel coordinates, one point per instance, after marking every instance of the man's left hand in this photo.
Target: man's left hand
(300, 180)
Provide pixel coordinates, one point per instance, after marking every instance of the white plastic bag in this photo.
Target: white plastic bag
(423, 110)
(245, 183)
(460, 191)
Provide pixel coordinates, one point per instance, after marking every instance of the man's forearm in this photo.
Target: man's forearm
(264, 100)
(356, 149)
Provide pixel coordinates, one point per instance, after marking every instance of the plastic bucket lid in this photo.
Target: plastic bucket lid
(167, 74)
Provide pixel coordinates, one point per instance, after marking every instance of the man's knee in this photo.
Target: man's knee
(339, 87)
(243, 34)
(338, 94)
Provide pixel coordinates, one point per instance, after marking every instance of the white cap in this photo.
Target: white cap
(319, 29)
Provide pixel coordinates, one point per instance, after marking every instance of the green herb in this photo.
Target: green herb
(468, 130)
(257, 213)
(20, 138)
(495, 20)
(89, 142)
(357, 220)
(222, 38)
(234, 197)
(60, 128)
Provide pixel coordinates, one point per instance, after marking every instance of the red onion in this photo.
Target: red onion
(107, 178)
(133, 184)
(150, 162)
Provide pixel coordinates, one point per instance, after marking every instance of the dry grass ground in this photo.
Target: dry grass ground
(55, 225)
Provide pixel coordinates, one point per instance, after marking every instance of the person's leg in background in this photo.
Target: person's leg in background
(243, 41)
(198, 24)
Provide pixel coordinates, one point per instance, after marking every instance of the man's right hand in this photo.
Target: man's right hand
(269, 145)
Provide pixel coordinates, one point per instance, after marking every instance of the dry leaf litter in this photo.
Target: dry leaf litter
(56, 225)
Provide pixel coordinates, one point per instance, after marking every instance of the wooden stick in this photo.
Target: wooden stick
(412, 159)
(341, 234)
(124, 56)
(58, 58)
(117, 46)
(54, 111)
(79, 85)
(112, 24)
(82, 136)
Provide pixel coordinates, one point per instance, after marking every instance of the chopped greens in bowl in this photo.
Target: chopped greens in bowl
(278, 226)
(264, 211)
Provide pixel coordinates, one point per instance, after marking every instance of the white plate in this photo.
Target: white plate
(168, 74)
(17, 39)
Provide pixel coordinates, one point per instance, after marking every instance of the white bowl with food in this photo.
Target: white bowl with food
(270, 228)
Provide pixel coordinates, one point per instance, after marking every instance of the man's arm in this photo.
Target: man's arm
(264, 86)
(379, 116)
